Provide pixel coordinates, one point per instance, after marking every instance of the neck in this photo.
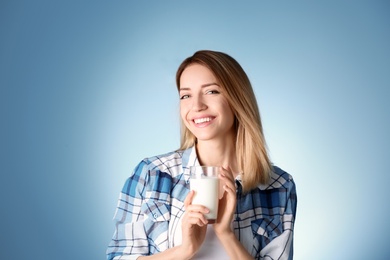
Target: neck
(217, 153)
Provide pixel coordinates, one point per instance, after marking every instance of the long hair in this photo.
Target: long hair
(251, 150)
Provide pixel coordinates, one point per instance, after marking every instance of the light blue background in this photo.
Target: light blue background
(88, 90)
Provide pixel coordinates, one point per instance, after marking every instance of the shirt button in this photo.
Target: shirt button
(155, 215)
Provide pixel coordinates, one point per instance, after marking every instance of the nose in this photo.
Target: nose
(198, 104)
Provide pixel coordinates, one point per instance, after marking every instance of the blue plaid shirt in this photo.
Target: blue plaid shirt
(152, 202)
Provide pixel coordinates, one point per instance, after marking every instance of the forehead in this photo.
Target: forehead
(196, 75)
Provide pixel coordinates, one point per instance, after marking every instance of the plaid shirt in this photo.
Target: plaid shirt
(152, 202)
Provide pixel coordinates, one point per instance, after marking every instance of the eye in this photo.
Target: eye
(212, 92)
(184, 96)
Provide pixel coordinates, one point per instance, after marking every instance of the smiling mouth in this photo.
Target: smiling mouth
(202, 120)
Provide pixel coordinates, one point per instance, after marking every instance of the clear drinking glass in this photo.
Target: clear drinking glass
(205, 182)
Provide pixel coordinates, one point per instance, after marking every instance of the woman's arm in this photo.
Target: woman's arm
(194, 226)
(226, 209)
(142, 215)
(280, 246)
(142, 220)
(129, 237)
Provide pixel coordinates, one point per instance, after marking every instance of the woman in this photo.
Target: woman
(221, 126)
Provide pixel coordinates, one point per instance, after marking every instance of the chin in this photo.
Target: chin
(204, 138)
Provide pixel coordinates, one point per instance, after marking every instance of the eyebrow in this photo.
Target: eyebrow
(203, 86)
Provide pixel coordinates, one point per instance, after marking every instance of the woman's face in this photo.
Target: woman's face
(203, 108)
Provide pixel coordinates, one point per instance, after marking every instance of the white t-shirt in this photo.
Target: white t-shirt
(211, 247)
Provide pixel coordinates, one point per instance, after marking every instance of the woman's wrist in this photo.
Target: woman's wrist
(221, 231)
(224, 234)
(183, 252)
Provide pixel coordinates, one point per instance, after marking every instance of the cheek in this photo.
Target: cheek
(184, 121)
(227, 109)
(229, 114)
(232, 117)
(183, 113)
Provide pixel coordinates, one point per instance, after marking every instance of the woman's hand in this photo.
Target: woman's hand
(194, 225)
(227, 204)
(226, 209)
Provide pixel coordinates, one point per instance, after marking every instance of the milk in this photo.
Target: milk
(206, 194)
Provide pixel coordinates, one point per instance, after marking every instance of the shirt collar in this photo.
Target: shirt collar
(189, 158)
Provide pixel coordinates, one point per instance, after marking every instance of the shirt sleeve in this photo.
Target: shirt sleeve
(281, 247)
(142, 214)
(129, 240)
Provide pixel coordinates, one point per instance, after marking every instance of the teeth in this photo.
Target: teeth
(202, 120)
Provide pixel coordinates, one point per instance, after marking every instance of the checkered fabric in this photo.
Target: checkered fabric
(152, 202)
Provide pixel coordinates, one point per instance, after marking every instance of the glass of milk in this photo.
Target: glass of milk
(204, 181)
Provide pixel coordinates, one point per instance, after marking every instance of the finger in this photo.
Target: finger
(229, 189)
(197, 208)
(227, 172)
(197, 218)
(226, 178)
(189, 198)
(231, 200)
(194, 218)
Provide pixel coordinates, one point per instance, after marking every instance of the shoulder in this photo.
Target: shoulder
(278, 179)
(155, 173)
(165, 158)
(170, 163)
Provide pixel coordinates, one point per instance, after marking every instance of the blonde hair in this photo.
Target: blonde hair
(251, 151)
